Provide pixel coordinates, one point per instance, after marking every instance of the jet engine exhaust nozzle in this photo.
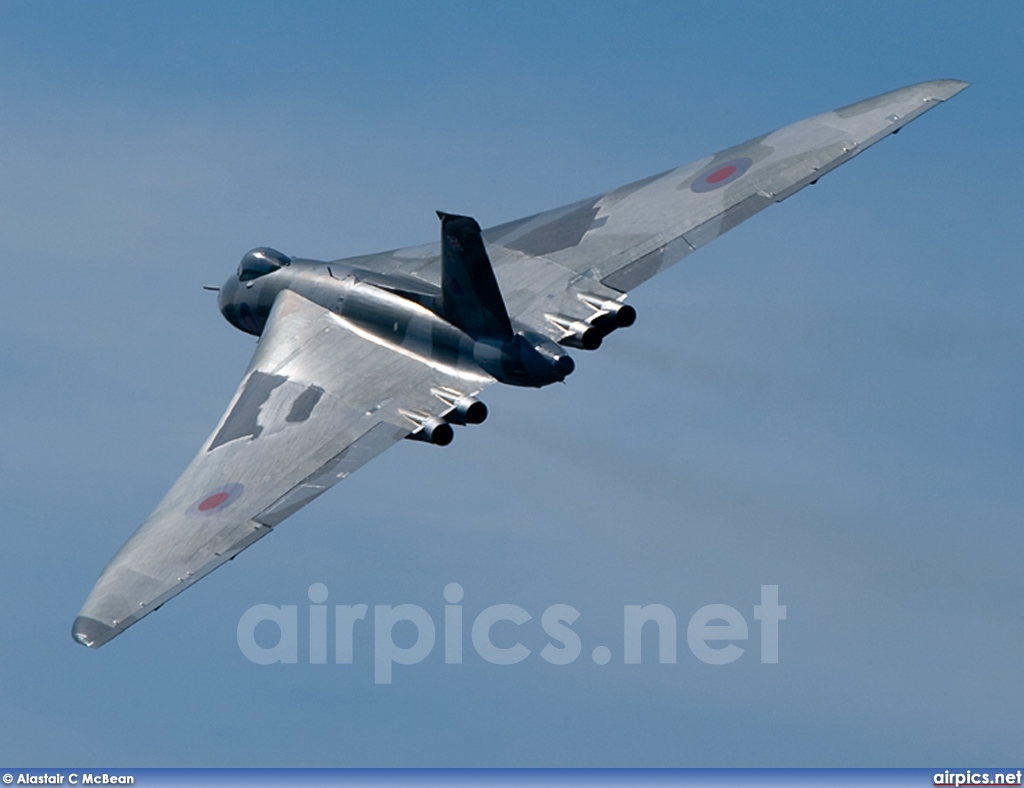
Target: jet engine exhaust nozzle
(434, 430)
(467, 410)
(577, 333)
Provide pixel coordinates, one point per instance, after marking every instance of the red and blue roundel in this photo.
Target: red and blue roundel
(216, 500)
(721, 174)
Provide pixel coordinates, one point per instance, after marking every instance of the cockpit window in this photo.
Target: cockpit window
(259, 261)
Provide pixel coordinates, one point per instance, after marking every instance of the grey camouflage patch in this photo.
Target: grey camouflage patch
(630, 188)
(561, 233)
(303, 406)
(860, 107)
(725, 221)
(243, 421)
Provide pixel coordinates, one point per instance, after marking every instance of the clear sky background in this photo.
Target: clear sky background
(827, 399)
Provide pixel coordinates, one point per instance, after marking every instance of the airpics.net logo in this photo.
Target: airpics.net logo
(713, 633)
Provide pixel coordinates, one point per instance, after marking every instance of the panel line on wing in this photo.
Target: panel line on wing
(375, 440)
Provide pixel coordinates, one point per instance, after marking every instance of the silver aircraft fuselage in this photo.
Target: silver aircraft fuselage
(398, 311)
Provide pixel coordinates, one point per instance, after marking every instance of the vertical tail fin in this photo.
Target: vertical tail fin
(470, 298)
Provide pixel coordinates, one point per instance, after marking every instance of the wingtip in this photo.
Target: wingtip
(92, 633)
(945, 89)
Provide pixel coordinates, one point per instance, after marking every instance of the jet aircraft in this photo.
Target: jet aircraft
(357, 354)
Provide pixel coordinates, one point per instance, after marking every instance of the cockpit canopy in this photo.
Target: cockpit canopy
(260, 261)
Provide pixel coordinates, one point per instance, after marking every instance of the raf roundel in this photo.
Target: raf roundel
(216, 500)
(721, 174)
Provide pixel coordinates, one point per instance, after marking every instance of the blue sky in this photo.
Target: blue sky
(827, 399)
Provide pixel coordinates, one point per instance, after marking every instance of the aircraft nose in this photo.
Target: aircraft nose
(226, 294)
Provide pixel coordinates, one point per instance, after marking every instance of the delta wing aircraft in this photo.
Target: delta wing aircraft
(356, 354)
